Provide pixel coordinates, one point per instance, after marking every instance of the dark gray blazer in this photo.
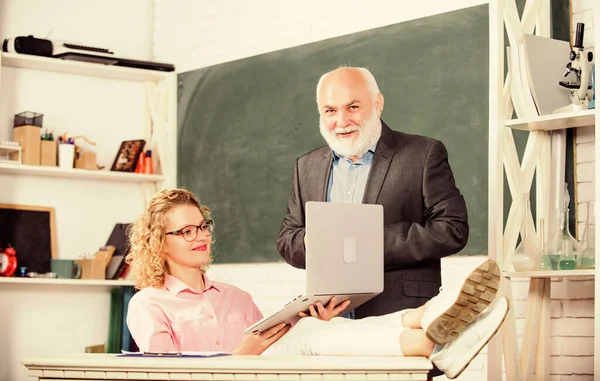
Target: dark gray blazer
(425, 216)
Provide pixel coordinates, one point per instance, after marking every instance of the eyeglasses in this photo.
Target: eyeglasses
(190, 232)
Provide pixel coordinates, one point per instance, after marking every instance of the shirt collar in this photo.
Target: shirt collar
(371, 149)
(175, 285)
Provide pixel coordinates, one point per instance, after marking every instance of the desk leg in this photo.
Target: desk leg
(512, 364)
(542, 369)
(532, 327)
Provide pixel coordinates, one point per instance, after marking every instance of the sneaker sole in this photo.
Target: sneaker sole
(451, 377)
(476, 294)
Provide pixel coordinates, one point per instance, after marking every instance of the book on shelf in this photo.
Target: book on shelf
(119, 337)
(117, 267)
(546, 60)
(536, 67)
(522, 100)
(526, 84)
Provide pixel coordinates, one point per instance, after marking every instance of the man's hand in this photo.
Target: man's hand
(255, 344)
(326, 313)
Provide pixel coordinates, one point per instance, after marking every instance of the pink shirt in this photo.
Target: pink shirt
(178, 318)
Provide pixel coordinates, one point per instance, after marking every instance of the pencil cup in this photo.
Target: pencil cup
(66, 155)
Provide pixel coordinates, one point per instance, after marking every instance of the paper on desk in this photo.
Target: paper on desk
(172, 354)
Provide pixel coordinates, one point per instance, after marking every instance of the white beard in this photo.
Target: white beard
(368, 134)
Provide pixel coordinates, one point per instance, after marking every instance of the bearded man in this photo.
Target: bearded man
(364, 161)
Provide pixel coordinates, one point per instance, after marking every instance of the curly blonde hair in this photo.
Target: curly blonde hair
(147, 237)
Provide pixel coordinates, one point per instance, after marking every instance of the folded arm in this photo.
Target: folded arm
(445, 229)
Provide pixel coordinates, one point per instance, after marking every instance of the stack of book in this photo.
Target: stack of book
(119, 336)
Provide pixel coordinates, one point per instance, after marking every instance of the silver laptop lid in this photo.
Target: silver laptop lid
(344, 253)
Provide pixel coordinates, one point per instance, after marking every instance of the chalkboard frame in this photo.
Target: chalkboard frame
(41, 209)
(242, 124)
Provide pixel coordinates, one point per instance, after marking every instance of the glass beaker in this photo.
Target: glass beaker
(562, 248)
(524, 257)
(587, 259)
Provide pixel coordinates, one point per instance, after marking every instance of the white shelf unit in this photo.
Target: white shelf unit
(36, 170)
(64, 282)
(554, 121)
(57, 65)
(571, 274)
(542, 158)
(74, 309)
(161, 94)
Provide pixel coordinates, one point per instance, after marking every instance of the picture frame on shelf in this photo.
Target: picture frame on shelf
(128, 155)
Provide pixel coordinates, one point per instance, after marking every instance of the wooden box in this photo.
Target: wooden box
(86, 160)
(93, 268)
(48, 153)
(30, 139)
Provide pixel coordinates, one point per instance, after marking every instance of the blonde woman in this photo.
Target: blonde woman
(178, 308)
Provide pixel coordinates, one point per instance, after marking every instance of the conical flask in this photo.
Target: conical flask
(561, 248)
(587, 259)
(525, 255)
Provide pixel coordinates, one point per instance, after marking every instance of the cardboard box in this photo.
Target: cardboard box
(48, 153)
(30, 139)
(86, 160)
(93, 268)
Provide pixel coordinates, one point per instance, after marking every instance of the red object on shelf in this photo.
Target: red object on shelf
(139, 168)
(148, 167)
(8, 262)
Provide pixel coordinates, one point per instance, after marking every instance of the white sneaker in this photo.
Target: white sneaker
(448, 313)
(455, 356)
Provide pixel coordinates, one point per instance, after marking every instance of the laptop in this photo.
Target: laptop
(344, 258)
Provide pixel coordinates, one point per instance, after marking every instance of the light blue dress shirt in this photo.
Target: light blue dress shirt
(347, 182)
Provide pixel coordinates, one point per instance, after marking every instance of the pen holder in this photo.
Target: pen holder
(48, 153)
(66, 155)
(29, 138)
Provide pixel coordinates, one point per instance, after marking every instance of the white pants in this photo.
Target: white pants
(371, 336)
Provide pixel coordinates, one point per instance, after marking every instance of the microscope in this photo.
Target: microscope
(580, 64)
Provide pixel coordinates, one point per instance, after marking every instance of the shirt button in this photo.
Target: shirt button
(349, 193)
(218, 342)
(211, 317)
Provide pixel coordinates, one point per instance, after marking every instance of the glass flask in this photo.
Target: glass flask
(561, 247)
(542, 262)
(524, 257)
(587, 258)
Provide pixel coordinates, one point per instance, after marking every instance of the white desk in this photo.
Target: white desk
(110, 367)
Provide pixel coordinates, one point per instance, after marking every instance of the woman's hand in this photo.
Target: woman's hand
(326, 313)
(255, 344)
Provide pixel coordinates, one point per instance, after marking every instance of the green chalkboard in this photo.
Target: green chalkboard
(242, 124)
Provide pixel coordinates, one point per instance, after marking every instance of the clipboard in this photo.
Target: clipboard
(174, 354)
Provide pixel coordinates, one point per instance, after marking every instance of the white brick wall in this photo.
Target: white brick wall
(193, 34)
(226, 30)
(575, 352)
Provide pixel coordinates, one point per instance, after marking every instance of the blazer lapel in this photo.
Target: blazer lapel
(323, 171)
(381, 163)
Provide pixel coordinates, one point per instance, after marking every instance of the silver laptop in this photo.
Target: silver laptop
(344, 258)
